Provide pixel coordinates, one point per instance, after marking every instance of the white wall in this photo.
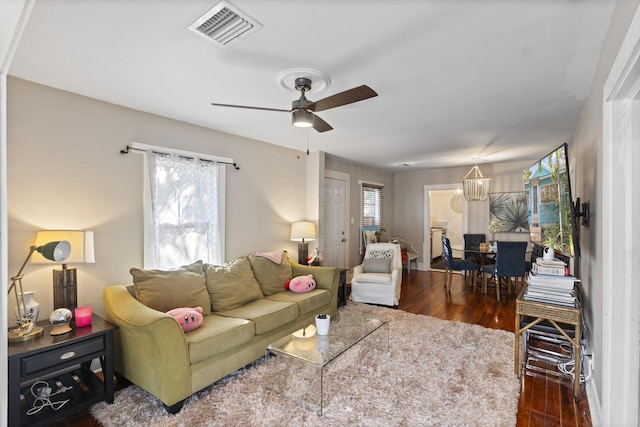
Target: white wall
(586, 152)
(442, 215)
(65, 171)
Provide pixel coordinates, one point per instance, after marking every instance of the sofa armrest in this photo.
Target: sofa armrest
(326, 278)
(150, 346)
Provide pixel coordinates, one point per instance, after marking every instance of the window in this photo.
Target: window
(372, 196)
(548, 193)
(184, 209)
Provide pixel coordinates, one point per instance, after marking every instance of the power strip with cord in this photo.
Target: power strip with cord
(43, 393)
(569, 367)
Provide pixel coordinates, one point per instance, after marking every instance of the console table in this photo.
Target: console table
(554, 314)
(63, 362)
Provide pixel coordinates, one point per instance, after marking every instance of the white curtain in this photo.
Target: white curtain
(185, 211)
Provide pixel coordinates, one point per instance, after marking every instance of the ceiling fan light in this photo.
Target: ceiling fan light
(302, 118)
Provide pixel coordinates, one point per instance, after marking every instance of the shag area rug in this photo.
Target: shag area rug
(436, 373)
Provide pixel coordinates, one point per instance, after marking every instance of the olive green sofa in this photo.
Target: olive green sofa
(246, 308)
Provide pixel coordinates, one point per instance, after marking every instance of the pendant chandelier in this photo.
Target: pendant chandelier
(475, 185)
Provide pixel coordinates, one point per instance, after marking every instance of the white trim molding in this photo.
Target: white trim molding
(620, 230)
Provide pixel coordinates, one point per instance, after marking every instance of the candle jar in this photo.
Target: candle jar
(83, 316)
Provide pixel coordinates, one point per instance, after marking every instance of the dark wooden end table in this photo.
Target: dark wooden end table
(63, 362)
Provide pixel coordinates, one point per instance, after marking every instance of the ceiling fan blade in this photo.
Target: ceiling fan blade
(320, 125)
(350, 96)
(249, 107)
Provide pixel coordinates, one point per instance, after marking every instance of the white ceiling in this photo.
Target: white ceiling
(457, 80)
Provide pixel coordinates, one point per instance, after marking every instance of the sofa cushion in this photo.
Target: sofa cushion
(266, 314)
(217, 335)
(307, 302)
(164, 290)
(271, 276)
(232, 284)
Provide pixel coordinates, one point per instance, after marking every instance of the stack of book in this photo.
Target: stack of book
(549, 282)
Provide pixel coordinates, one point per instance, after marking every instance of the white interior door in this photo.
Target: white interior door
(335, 227)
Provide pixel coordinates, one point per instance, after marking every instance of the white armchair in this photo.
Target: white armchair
(378, 279)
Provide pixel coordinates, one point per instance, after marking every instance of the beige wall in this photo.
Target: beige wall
(65, 171)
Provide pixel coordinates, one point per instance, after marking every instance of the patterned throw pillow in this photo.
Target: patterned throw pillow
(388, 254)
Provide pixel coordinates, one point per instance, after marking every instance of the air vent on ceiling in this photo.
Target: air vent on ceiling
(225, 25)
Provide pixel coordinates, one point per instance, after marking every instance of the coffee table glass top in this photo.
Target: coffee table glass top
(346, 330)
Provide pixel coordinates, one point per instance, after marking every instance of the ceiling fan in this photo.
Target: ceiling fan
(302, 110)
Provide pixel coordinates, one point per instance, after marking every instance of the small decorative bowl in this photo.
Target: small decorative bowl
(60, 319)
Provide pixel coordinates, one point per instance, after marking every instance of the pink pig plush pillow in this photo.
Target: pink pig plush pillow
(301, 284)
(188, 318)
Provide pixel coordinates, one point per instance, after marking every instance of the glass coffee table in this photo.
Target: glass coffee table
(302, 357)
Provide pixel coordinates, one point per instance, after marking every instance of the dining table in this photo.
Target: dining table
(481, 257)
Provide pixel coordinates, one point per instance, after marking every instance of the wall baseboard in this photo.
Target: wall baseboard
(595, 408)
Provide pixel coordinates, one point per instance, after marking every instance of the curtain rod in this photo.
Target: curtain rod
(128, 149)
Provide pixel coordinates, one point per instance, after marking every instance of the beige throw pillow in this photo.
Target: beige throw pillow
(376, 265)
(231, 285)
(271, 276)
(164, 290)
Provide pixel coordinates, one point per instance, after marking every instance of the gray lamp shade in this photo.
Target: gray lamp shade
(55, 251)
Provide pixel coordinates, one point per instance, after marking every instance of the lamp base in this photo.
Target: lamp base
(16, 335)
(65, 288)
(303, 252)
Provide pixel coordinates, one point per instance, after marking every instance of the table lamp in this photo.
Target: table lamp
(56, 251)
(65, 286)
(303, 232)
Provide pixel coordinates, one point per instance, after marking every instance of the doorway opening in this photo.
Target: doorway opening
(445, 215)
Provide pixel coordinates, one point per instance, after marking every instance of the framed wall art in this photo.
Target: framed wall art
(508, 213)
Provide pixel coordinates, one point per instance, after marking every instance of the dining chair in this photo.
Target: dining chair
(453, 264)
(472, 243)
(510, 263)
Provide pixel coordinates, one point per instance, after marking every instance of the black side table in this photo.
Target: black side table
(342, 288)
(62, 361)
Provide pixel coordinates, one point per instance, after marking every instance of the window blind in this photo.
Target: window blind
(372, 198)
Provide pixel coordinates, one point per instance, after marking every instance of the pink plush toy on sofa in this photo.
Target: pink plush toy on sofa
(189, 318)
(301, 284)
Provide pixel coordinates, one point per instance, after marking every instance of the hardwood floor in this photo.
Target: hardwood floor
(544, 400)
